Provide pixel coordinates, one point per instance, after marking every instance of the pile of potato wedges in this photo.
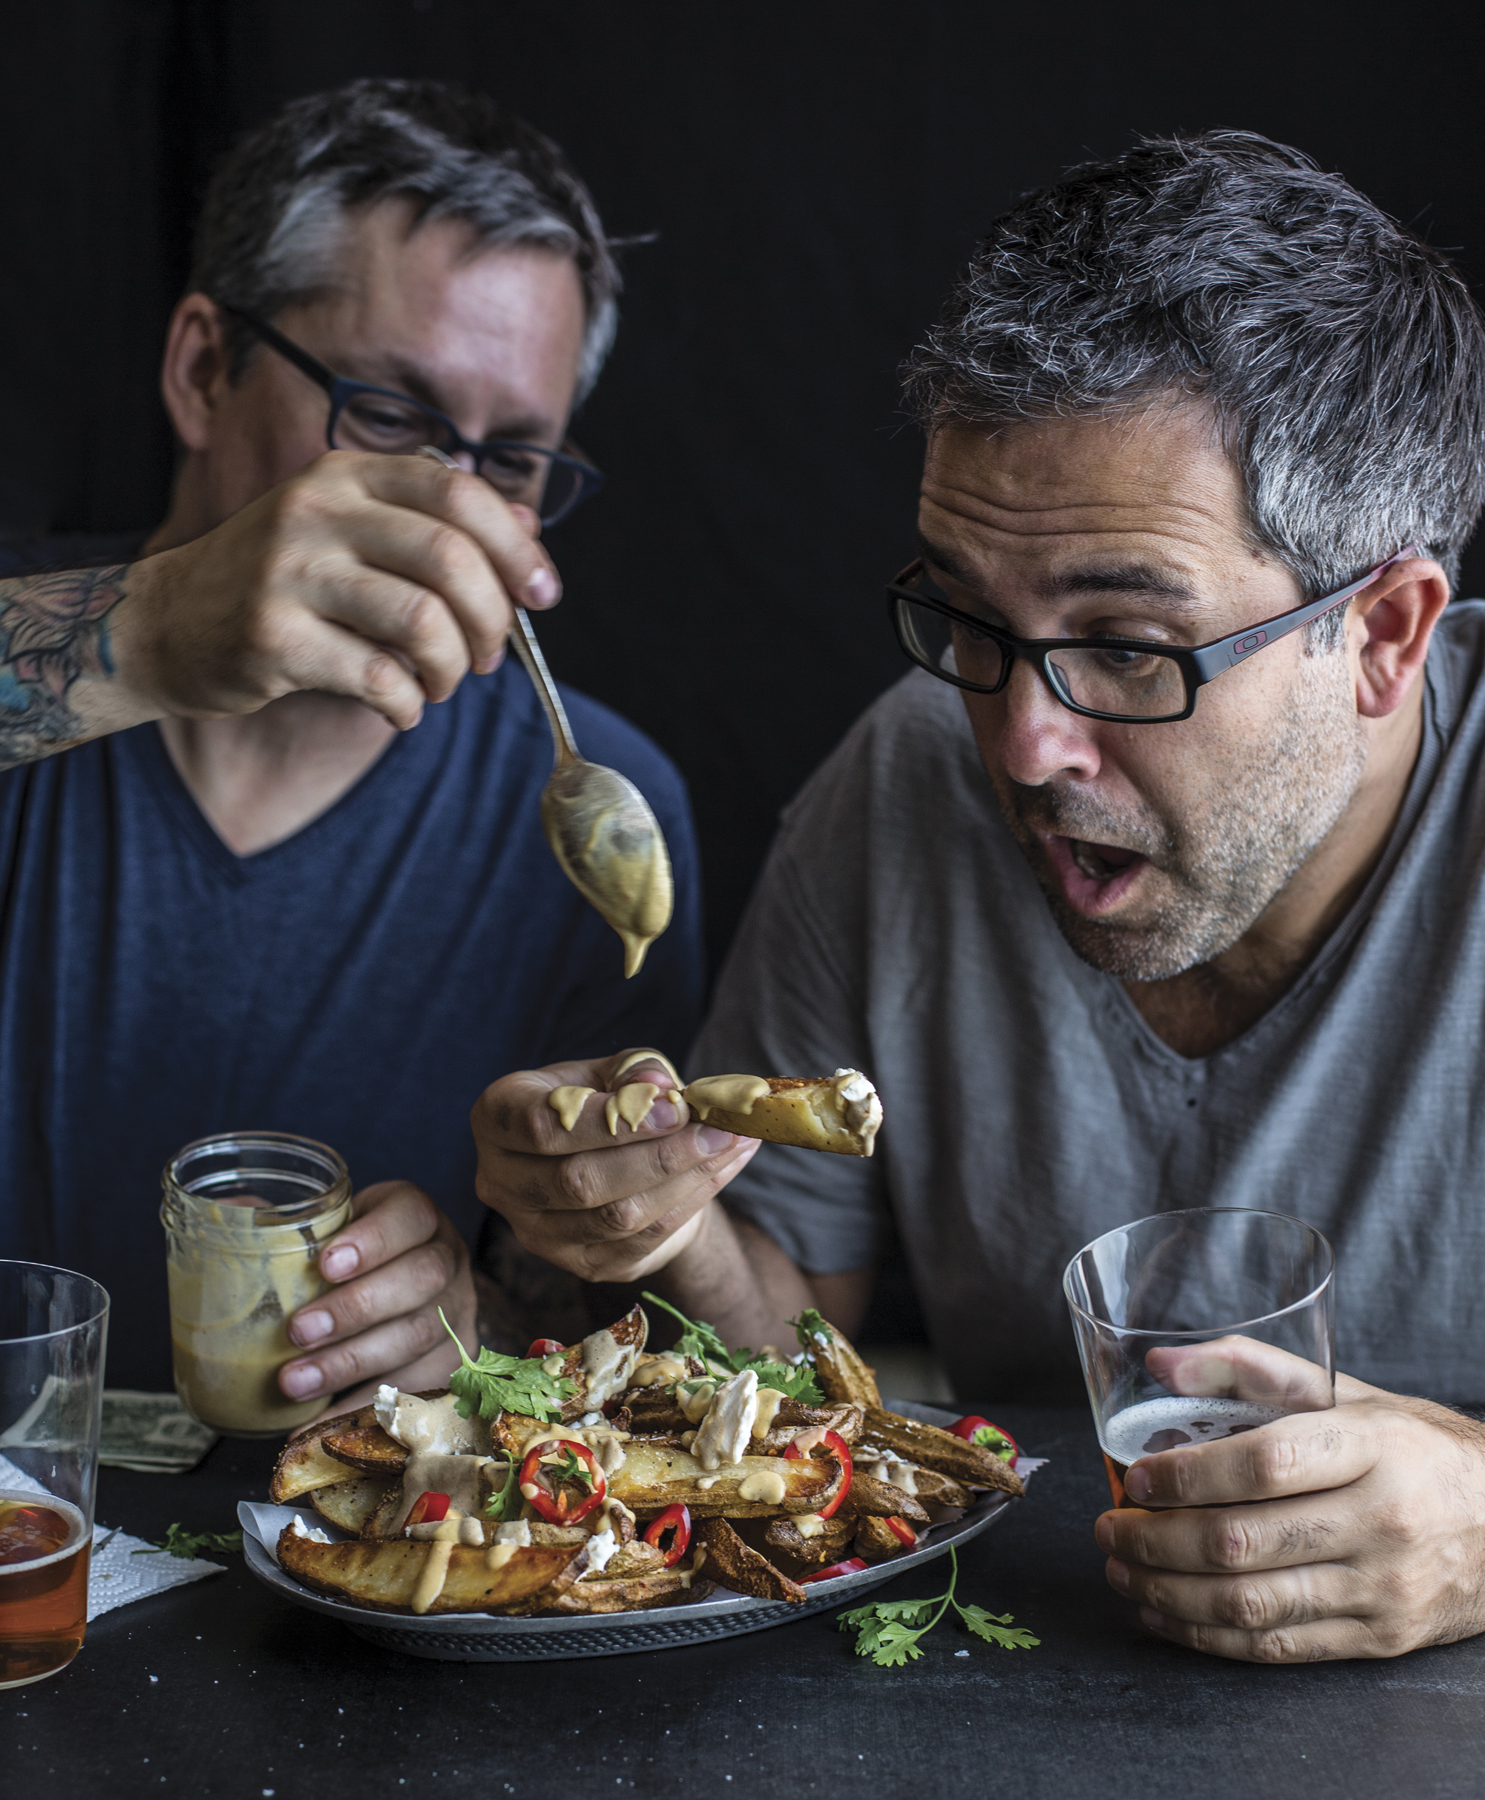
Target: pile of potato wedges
(760, 1524)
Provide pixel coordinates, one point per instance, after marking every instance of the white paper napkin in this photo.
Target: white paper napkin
(115, 1574)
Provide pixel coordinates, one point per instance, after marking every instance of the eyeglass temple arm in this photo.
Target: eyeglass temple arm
(1212, 659)
(286, 347)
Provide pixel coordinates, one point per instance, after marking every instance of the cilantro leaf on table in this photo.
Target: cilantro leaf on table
(188, 1545)
(889, 1631)
(495, 1384)
(703, 1341)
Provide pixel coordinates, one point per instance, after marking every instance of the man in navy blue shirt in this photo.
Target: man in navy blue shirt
(251, 894)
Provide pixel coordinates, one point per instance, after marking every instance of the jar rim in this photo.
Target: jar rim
(235, 1149)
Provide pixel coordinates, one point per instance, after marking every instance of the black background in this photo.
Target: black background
(815, 173)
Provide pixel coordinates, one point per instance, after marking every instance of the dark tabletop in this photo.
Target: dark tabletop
(253, 1695)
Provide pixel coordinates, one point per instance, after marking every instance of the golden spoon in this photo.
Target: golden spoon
(600, 827)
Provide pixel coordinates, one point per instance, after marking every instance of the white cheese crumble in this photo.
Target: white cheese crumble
(312, 1532)
(385, 1407)
(601, 1547)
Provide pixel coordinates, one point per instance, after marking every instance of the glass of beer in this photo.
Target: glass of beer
(1195, 1326)
(53, 1333)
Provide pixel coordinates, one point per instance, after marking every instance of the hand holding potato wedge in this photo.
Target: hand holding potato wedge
(597, 1166)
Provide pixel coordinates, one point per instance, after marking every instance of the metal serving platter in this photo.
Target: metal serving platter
(481, 1637)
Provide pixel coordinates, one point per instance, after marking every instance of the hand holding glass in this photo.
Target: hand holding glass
(1196, 1326)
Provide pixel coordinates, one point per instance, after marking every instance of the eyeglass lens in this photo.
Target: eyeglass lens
(381, 423)
(1103, 678)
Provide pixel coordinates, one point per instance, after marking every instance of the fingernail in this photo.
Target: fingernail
(543, 588)
(301, 1381)
(1137, 1483)
(310, 1327)
(1155, 1620)
(1103, 1535)
(343, 1260)
(663, 1115)
(712, 1142)
(487, 665)
(1118, 1573)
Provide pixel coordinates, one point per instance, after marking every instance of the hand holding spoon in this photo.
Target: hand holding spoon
(600, 827)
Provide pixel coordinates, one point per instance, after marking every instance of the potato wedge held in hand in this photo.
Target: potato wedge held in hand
(839, 1112)
(385, 1576)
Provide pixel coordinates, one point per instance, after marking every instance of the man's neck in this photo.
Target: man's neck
(1204, 1008)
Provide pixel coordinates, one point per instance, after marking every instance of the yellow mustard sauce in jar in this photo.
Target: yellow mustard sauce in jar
(245, 1216)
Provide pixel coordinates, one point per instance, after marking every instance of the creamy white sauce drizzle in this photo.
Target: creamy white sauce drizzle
(567, 1103)
(769, 1401)
(766, 1486)
(606, 1366)
(726, 1093)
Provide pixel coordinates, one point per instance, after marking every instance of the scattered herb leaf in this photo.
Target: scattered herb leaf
(495, 1384)
(810, 1325)
(189, 1544)
(702, 1341)
(505, 1503)
(889, 1631)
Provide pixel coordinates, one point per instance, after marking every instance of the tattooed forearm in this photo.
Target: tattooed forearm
(53, 631)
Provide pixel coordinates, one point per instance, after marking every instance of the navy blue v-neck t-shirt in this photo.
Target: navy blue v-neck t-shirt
(360, 982)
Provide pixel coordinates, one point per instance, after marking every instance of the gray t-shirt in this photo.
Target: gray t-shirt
(1029, 1107)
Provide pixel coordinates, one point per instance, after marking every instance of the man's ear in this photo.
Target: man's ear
(194, 368)
(1389, 626)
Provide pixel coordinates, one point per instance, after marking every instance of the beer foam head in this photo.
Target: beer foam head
(1179, 1419)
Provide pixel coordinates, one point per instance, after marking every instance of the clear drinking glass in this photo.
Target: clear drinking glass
(1194, 1326)
(246, 1216)
(53, 1335)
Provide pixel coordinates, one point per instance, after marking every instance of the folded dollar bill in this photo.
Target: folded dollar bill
(150, 1433)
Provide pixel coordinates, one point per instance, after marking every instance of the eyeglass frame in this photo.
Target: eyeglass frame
(1199, 663)
(342, 390)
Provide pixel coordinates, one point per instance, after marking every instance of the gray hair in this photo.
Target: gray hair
(276, 208)
(1343, 361)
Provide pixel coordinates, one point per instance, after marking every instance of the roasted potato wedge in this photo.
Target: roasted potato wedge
(655, 1476)
(746, 1571)
(361, 1443)
(603, 1594)
(784, 1536)
(810, 1111)
(635, 1558)
(841, 1372)
(932, 1448)
(845, 1419)
(633, 1328)
(876, 1541)
(384, 1576)
(937, 1489)
(303, 1464)
(872, 1499)
(349, 1505)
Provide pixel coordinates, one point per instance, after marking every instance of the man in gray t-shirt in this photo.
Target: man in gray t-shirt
(1176, 902)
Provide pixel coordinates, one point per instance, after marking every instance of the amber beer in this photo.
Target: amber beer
(1168, 1423)
(44, 1544)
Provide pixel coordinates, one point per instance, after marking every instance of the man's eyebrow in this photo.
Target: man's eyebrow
(1139, 578)
(407, 378)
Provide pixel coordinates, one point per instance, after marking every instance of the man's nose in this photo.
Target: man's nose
(1038, 739)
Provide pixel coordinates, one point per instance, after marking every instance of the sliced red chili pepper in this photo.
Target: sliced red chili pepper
(428, 1509)
(578, 1483)
(975, 1430)
(851, 1566)
(840, 1450)
(544, 1347)
(675, 1518)
(902, 1531)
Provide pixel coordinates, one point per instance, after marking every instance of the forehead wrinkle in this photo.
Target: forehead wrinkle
(1141, 579)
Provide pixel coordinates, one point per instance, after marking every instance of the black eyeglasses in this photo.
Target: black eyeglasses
(363, 417)
(1126, 680)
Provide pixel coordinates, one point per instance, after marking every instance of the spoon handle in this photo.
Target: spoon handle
(535, 665)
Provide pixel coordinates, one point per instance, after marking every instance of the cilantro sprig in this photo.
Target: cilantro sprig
(889, 1631)
(495, 1384)
(702, 1341)
(810, 1326)
(188, 1545)
(505, 1503)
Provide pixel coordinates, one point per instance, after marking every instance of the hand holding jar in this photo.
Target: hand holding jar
(268, 1250)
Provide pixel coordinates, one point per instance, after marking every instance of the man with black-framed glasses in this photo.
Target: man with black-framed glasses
(1158, 883)
(273, 902)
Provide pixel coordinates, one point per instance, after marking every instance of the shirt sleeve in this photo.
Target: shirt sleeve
(788, 1003)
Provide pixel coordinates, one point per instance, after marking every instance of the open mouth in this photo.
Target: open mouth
(1093, 877)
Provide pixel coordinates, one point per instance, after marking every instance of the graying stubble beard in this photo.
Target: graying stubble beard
(1223, 865)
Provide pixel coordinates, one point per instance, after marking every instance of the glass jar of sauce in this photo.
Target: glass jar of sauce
(245, 1216)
